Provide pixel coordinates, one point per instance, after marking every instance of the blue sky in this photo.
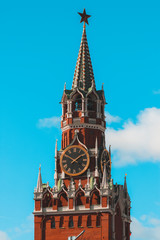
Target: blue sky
(39, 44)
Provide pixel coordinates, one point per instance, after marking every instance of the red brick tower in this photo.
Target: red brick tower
(84, 196)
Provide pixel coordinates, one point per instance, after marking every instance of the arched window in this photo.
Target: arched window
(61, 222)
(53, 225)
(47, 201)
(64, 108)
(77, 103)
(95, 200)
(80, 198)
(98, 221)
(89, 222)
(90, 104)
(63, 200)
(80, 221)
(71, 224)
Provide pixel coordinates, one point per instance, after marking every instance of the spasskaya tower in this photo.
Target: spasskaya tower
(84, 198)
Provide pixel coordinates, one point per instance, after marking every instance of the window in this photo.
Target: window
(89, 223)
(78, 105)
(47, 201)
(61, 223)
(98, 221)
(95, 200)
(71, 224)
(80, 221)
(90, 105)
(80, 199)
(53, 223)
(63, 200)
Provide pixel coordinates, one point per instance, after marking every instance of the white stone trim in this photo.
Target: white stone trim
(83, 125)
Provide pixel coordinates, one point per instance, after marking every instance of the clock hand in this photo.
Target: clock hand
(75, 160)
(69, 157)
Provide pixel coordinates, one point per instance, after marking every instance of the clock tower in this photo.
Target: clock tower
(84, 198)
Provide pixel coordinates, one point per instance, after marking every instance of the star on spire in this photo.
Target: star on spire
(84, 17)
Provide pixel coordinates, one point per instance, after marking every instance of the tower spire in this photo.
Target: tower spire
(39, 182)
(83, 75)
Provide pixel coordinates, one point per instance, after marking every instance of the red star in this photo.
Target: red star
(84, 17)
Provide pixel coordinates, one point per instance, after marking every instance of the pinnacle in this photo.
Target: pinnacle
(83, 75)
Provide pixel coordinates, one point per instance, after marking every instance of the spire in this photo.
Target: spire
(83, 76)
(65, 86)
(56, 149)
(125, 184)
(104, 179)
(96, 158)
(55, 174)
(96, 147)
(39, 182)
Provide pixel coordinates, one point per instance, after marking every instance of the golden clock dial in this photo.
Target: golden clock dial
(74, 160)
(106, 159)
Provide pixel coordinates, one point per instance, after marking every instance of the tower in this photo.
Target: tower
(84, 196)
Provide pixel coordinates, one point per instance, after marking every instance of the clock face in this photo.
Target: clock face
(106, 159)
(74, 160)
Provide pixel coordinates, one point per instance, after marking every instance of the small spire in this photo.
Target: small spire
(87, 186)
(72, 185)
(56, 149)
(104, 179)
(96, 158)
(93, 83)
(125, 187)
(110, 151)
(102, 86)
(96, 147)
(125, 183)
(63, 175)
(79, 183)
(56, 174)
(91, 182)
(39, 182)
(65, 86)
(110, 158)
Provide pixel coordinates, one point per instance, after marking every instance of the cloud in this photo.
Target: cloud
(4, 236)
(147, 230)
(110, 119)
(55, 121)
(26, 228)
(156, 91)
(49, 122)
(137, 142)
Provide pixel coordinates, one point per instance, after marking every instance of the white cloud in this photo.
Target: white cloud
(137, 142)
(156, 91)
(49, 122)
(143, 231)
(4, 236)
(25, 227)
(110, 119)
